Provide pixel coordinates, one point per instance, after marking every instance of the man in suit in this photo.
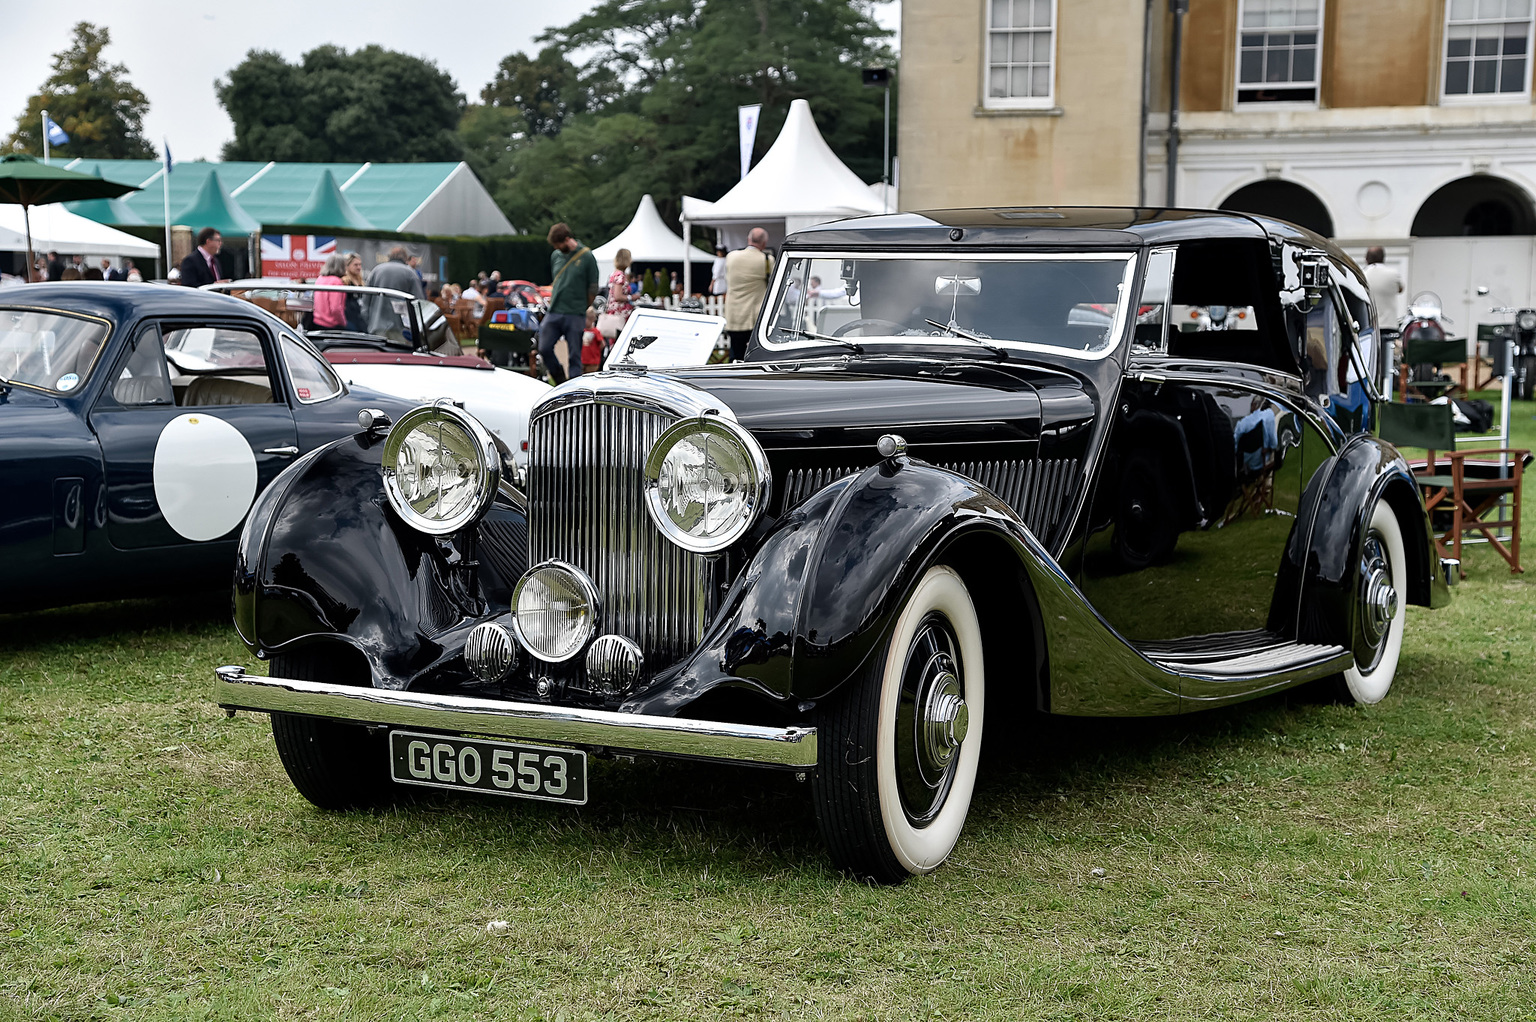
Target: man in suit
(201, 266)
(55, 266)
(110, 272)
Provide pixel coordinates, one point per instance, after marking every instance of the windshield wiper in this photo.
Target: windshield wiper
(853, 346)
(955, 331)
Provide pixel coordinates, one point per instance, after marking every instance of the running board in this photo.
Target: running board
(1246, 675)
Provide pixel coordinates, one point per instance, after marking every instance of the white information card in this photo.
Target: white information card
(660, 339)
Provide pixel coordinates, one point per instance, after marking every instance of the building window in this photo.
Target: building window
(1278, 45)
(1021, 50)
(1487, 49)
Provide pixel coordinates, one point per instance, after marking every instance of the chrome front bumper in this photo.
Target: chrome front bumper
(788, 748)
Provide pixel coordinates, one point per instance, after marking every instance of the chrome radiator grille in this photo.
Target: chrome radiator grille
(586, 507)
(1039, 491)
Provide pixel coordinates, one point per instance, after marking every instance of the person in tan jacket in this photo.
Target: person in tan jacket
(747, 272)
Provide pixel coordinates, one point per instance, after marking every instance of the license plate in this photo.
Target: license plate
(499, 768)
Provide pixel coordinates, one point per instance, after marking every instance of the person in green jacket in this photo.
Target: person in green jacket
(575, 285)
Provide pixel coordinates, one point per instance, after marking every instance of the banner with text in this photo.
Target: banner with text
(297, 256)
(746, 117)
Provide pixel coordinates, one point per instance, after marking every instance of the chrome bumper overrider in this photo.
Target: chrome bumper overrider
(788, 747)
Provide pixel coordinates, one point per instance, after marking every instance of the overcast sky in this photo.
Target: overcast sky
(174, 52)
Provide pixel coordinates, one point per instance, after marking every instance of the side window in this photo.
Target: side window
(143, 380)
(309, 373)
(217, 365)
(1224, 305)
(1152, 314)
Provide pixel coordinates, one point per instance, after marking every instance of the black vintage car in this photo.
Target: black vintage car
(978, 462)
(137, 425)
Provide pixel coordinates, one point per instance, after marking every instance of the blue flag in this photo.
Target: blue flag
(168, 161)
(56, 135)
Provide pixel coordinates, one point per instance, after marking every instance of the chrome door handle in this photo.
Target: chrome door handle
(285, 451)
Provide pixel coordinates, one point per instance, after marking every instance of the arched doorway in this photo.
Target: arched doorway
(1283, 200)
(1477, 206)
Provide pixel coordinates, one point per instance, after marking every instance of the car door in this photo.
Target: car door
(1201, 480)
(193, 425)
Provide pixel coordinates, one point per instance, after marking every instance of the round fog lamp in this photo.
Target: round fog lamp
(706, 481)
(441, 468)
(554, 611)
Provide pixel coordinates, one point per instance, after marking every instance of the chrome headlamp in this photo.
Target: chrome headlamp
(706, 481)
(441, 468)
(555, 610)
(1526, 320)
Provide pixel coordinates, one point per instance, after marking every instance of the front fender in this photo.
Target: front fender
(818, 597)
(324, 558)
(1325, 555)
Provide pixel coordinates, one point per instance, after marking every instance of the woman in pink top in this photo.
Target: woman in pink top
(331, 306)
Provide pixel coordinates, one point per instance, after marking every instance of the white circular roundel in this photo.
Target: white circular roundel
(205, 476)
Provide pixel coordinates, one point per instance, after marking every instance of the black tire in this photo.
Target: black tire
(1526, 365)
(887, 806)
(333, 765)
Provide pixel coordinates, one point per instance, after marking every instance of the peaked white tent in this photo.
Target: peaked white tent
(649, 240)
(56, 228)
(797, 183)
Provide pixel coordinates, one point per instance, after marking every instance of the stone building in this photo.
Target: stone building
(1404, 123)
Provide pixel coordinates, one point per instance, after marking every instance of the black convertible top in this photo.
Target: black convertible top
(1048, 227)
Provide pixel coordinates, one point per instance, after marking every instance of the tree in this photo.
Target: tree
(660, 81)
(333, 106)
(546, 90)
(93, 102)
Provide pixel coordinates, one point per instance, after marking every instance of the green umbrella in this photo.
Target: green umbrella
(25, 182)
(106, 211)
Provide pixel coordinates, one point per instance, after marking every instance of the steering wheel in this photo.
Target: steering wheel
(841, 331)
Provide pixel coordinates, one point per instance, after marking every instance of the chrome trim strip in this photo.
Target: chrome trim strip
(788, 747)
(662, 395)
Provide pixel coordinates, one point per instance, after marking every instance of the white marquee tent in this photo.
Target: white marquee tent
(55, 228)
(649, 240)
(798, 182)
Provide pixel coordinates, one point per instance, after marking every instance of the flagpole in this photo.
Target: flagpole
(165, 194)
(45, 136)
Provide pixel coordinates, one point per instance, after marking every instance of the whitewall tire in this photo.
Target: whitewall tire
(900, 747)
(1383, 562)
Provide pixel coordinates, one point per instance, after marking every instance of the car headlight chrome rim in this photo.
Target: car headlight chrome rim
(441, 468)
(555, 611)
(1526, 321)
(706, 481)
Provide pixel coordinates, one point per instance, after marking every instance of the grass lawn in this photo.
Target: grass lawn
(1279, 860)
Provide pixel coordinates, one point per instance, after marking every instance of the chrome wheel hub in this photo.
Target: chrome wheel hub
(932, 720)
(945, 716)
(1378, 597)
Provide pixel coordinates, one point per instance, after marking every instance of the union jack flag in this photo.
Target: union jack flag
(295, 255)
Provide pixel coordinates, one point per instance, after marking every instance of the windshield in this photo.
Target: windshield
(48, 350)
(1067, 302)
(333, 309)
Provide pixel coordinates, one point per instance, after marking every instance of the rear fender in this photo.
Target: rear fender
(1325, 555)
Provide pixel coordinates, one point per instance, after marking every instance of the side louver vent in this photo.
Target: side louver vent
(1039, 492)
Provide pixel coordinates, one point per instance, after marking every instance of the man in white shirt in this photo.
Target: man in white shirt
(1385, 284)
